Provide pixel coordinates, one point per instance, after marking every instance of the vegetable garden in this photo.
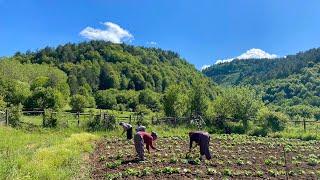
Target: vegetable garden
(234, 156)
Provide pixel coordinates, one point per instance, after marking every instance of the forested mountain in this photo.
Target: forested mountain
(255, 71)
(290, 84)
(117, 73)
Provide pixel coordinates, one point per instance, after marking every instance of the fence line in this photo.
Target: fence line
(304, 122)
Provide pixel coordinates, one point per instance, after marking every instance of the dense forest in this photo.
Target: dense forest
(122, 77)
(289, 84)
(95, 74)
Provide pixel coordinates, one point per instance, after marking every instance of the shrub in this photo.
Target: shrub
(97, 123)
(46, 98)
(94, 123)
(106, 99)
(2, 103)
(15, 115)
(78, 103)
(150, 99)
(274, 121)
(50, 119)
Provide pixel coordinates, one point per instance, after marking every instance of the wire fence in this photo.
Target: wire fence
(80, 119)
(306, 125)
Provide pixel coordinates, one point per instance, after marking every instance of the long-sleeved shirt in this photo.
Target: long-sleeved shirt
(196, 137)
(148, 140)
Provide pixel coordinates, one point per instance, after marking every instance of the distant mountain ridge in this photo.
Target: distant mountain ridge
(253, 71)
(290, 84)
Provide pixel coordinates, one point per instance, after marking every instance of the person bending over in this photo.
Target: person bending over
(202, 139)
(142, 138)
(126, 128)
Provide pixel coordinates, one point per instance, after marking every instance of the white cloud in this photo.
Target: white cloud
(152, 43)
(250, 54)
(205, 67)
(113, 33)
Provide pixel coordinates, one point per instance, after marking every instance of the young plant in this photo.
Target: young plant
(227, 172)
(146, 171)
(211, 171)
(132, 172)
(173, 160)
(113, 165)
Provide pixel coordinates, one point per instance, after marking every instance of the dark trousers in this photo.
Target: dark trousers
(204, 146)
(129, 133)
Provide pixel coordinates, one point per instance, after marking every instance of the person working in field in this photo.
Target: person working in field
(202, 139)
(141, 128)
(141, 138)
(127, 128)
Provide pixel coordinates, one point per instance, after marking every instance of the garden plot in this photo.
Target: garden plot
(234, 156)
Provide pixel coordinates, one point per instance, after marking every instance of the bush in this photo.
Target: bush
(235, 127)
(78, 103)
(46, 98)
(97, 123)
(94, 123)
(16, 92)
(273, 121)
(15, 115)
(150, 99)
(50, 119)
(258, 131)
(106, 99)
(3, 104)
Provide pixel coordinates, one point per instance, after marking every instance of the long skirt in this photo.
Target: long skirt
(204, 146)
(138, 144)
(129, 133)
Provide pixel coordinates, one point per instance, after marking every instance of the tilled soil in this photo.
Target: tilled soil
(234, 157)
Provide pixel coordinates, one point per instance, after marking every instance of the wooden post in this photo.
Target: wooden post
(78, 118)
(285, 161)
(7, 117)
(304, 124)
(43, 118)
(130, 119)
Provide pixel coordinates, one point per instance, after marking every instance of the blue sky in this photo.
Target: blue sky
(201, 31)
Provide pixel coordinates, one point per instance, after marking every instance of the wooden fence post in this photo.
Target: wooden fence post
(304, 124)
(78, 118)
(7, 117)
(285, 161)
(130, 119)
(43, 118)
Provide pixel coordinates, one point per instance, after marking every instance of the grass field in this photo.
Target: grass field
(44, 154)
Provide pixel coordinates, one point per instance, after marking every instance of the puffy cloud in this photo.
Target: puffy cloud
(113, 33)
(250, 54)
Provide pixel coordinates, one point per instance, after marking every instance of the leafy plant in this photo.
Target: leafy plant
(227, 172)
(113, 165)
(211, 171)
(132, 172)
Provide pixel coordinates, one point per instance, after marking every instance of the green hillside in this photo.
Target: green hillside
(124, 76)
(289, 84)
